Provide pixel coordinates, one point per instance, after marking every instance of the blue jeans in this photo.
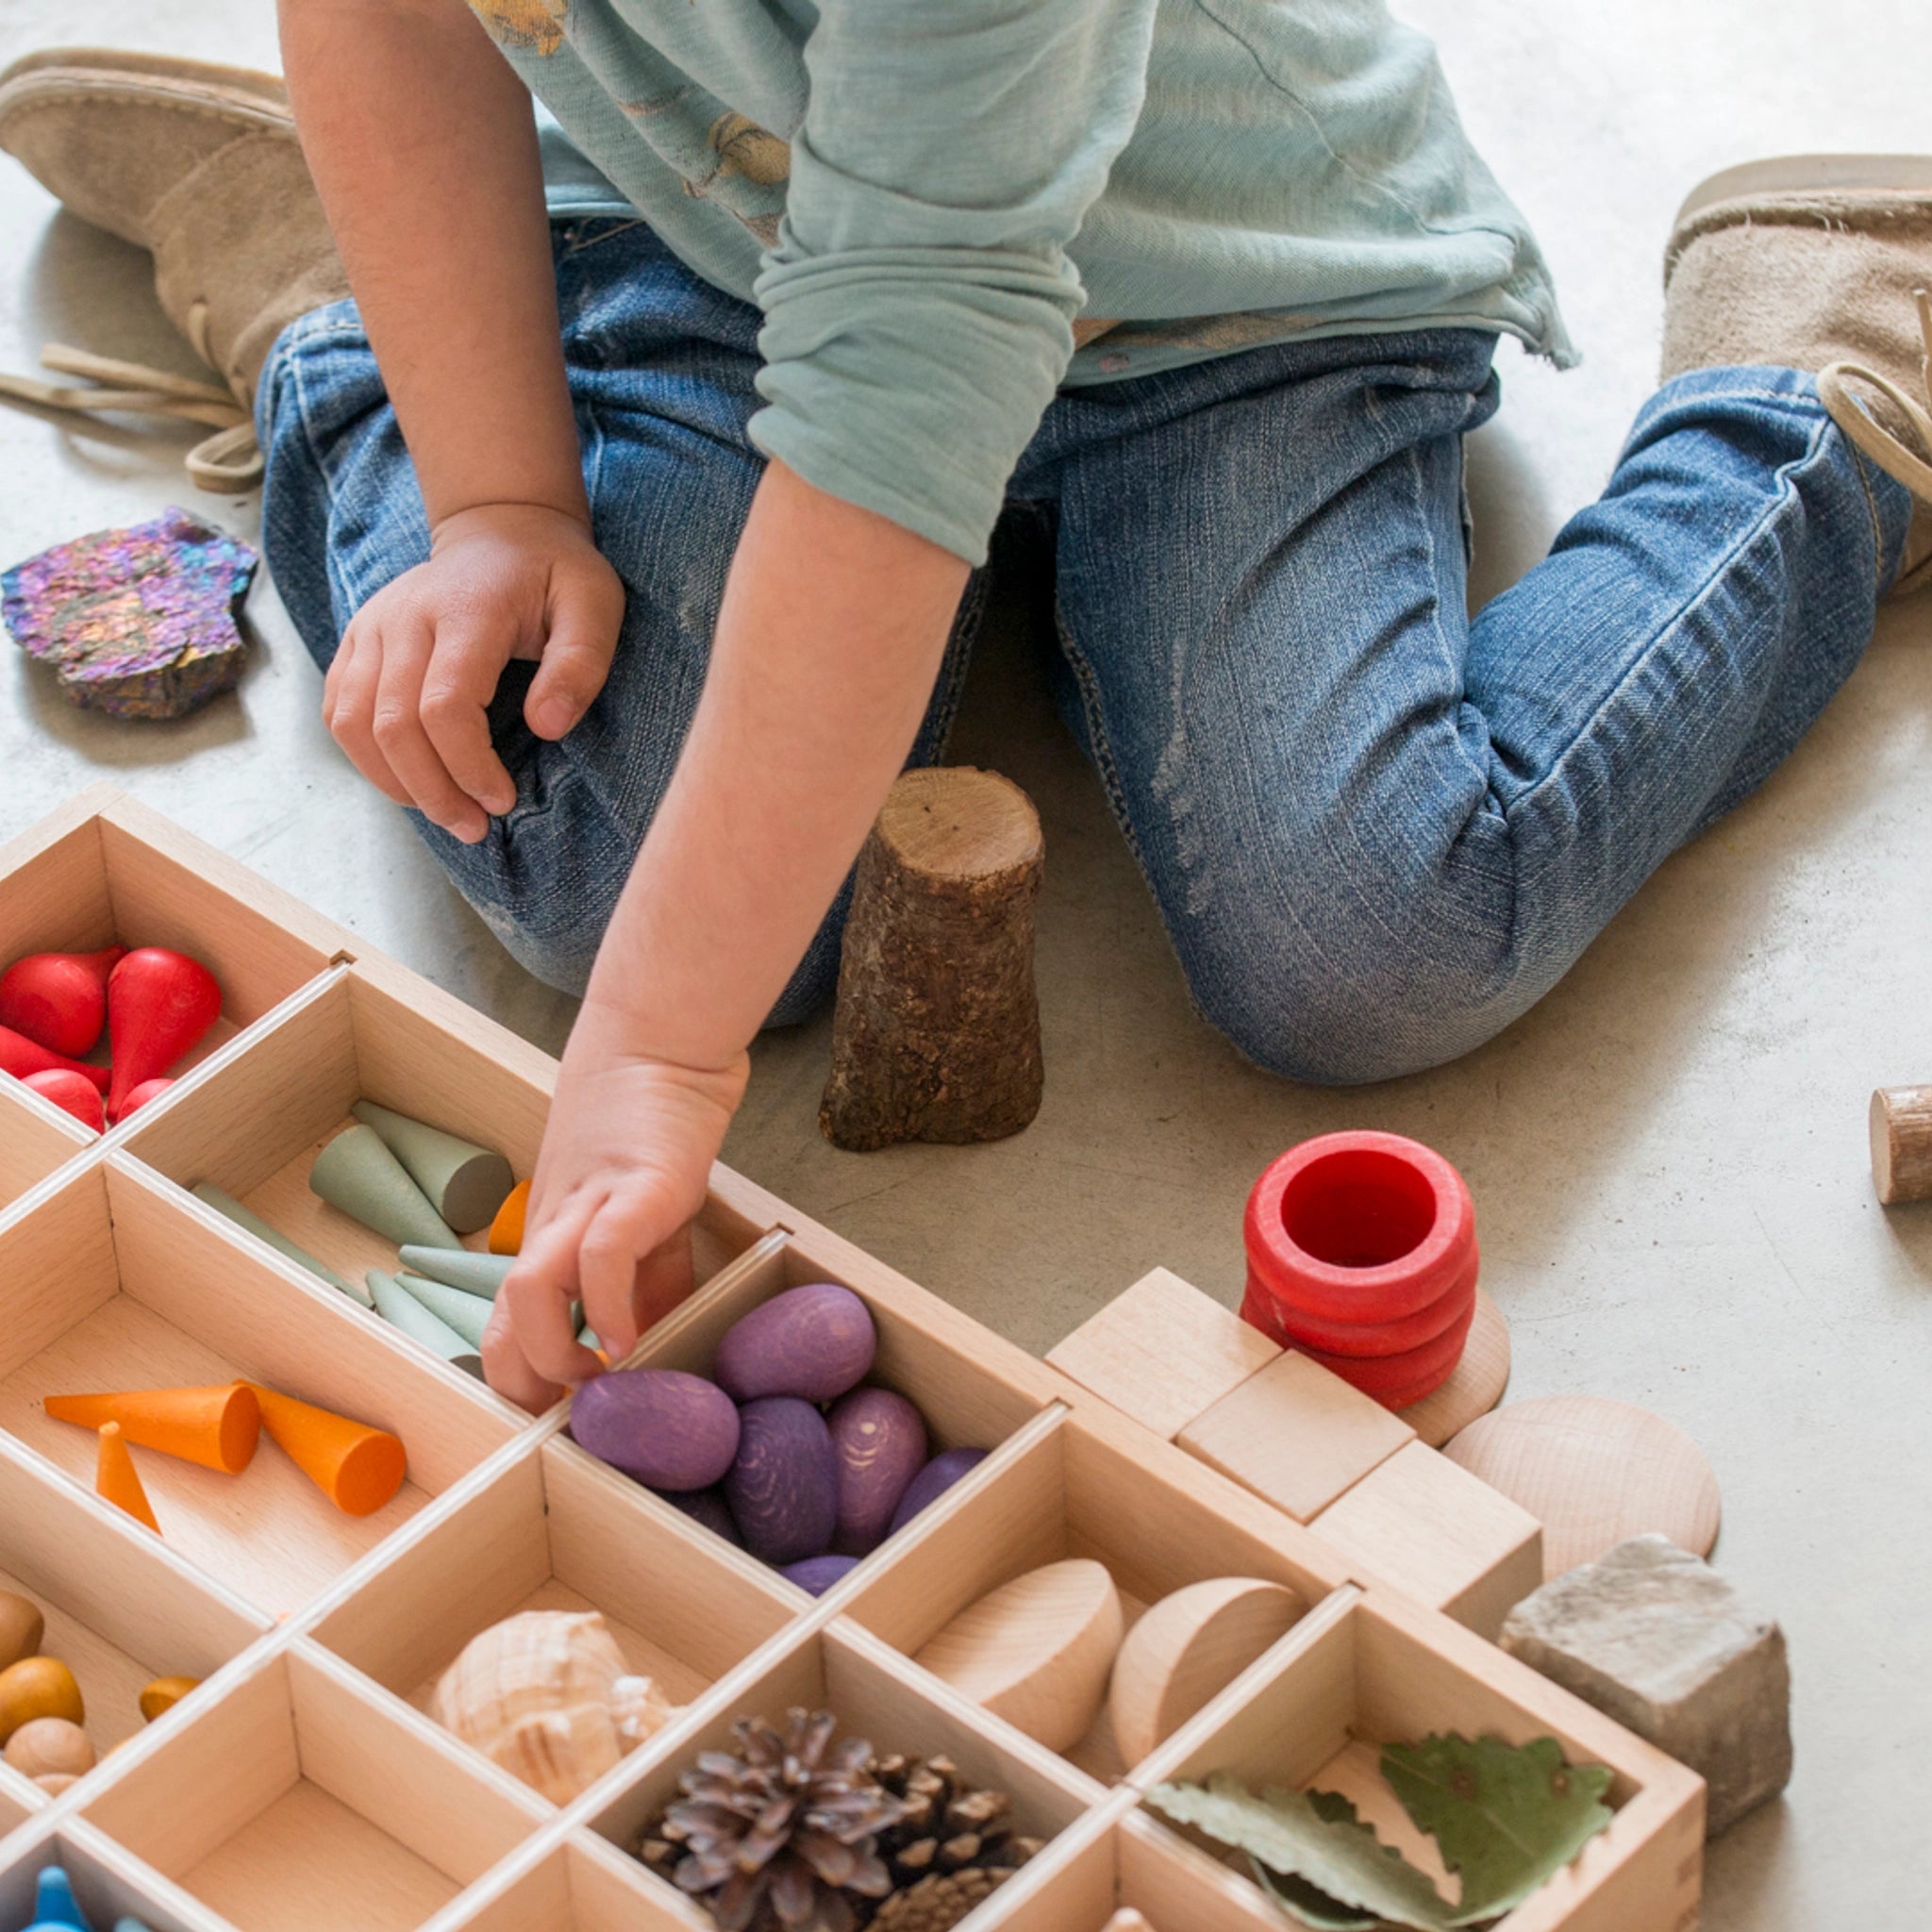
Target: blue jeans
(1377, 831)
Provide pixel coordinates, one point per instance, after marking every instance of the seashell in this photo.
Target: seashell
(546, 1695)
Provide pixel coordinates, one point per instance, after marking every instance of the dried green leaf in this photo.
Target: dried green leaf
(1321, 1844)
(1506, 1816)
(1309, 1904)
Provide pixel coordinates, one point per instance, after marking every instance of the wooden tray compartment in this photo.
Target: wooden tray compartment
(303, 1802)
(1118, 1859)
(256, 1127)
(111, 1283)
(551, 1532)
(971, 1398)
(837, 1665)
(124, 875)
(36, 1138)
(1153, 1516)
(121, 1606)
(584, 1885)
(108, 1882)
(1367, 1668)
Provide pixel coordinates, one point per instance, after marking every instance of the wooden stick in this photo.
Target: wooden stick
(1902, 1144)
(937, 1035)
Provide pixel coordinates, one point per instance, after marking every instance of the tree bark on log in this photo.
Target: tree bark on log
(937, 1033)
(1902, 1144)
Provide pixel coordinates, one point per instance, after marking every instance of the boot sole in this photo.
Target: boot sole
(1810, 173)
(119, 62)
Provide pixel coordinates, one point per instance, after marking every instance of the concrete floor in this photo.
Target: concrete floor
(1668, 1155)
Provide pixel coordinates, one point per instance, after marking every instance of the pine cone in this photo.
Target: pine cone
(950, 1847)
(779, 1836)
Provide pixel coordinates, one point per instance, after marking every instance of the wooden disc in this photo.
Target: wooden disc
(958, 821)
(1593, 1473)
(1474, 1388)
(1037, 1650)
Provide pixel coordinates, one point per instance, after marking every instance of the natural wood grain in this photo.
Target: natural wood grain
(1474, 1385)
(1296, 1435)
(1187, 1648)
(35, 1139)
(1593, 1473)
(1435, 1531)
(1901, 1130)
(1036, 1651)
(1162, 1353)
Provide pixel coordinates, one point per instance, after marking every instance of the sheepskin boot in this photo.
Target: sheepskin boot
(200, 165)
(1820, 262)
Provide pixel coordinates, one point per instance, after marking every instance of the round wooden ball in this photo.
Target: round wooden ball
(1594, 1472)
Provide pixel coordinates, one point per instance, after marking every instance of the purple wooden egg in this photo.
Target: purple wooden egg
(879, 1439)
(813, 1343)
(783, 1489)
(817, 1574)
(670, 1430)
(932, 1482)
(708, 1506)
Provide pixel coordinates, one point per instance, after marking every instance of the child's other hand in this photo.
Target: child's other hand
(408, 694)
(626, 1161)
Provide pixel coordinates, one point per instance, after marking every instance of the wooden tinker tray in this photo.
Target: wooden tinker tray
(303, 1789)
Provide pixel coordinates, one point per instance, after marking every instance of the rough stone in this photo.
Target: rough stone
(1655, 1638)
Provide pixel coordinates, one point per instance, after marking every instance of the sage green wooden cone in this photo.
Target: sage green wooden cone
(465, 1313)
(465, 1184)
(356, 1173)
(247, 1217)
(402, 1310)
(477, 1275)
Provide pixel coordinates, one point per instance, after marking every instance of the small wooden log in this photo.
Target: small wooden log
(937, 1034)
(1902, 1144)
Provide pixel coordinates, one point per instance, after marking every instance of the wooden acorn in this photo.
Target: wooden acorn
(59, 1000)
(401, 1309)
(464, 1183)
(161, 1006)
(159, 1695)
(20, 1057)
(357, 1173)
(72, 1092)
(38, 1687)
(226, 1205)
(357, 1466)
(217, 1427)
(475, 1274)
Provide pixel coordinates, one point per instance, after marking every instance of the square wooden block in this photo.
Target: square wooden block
(1443, 1536)
(1162, 1351)
(1296, 1434)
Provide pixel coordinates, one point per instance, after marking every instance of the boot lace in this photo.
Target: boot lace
(1891, 452)
(226, 462)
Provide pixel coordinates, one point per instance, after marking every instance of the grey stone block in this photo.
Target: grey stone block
(1655, 1638)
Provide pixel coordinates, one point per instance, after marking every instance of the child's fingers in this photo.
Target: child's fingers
(628, 1228)
(349, 708)
(537, 1292)
(665, 1277)
(456, 690)
(506, 1369)
(586, 610)
(403, 742)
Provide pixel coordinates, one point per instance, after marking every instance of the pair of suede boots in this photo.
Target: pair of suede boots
(1815, 263)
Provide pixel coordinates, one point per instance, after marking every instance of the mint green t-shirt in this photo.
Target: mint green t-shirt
(933, 202)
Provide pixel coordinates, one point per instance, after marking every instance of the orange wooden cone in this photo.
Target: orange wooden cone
(507, 1230)
(357, 1468)
(215, 1427)
(119, 1481)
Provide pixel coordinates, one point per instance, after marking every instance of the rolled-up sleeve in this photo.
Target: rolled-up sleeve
(919, 303)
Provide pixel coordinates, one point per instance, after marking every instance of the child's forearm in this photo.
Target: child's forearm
(831, 634)
(423, 146)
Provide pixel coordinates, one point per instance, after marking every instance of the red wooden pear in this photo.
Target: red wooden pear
(72, 1094)
(160, 1006)
(59, 1000)
(20, 1057)
(148, 1090)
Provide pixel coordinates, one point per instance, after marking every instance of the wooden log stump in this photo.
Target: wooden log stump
(1902, 1144)
(937, 1034)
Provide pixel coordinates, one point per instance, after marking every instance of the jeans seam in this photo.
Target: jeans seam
(1103, 751)
(1718, 571)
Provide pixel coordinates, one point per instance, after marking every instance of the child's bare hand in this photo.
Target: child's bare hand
(408, 694)
(626, 1162)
